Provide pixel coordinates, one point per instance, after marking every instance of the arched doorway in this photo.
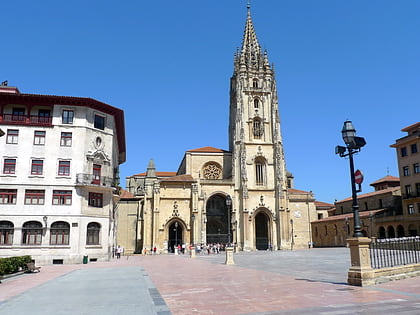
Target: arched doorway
(391, 232)
(217, 220)
(400, 231)
(262, 239)
(381, 232)
(175, 235)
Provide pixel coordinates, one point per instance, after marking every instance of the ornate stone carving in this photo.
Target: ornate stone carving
(212, 171)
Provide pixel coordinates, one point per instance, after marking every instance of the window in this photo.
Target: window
(64, 168)
(8, 196)
(418, 189)
(99, 122)
(258, 129)
(67, 117)
(9, 166)
(12, 136)
(255, 83)
(60, 233)
(39, 137)
(260, 173)
(96, 174)
(37, 167)
(414, 148)
(18, 114)
(66, 139)
(61, 197)
(410, 209)
(6, 233)
(406, 171)
(403, 151)
(93, 231)
(416, 168)
(44, 115)
(34, 197)
(408, 190)
(31, 233)
(95, 200)
(256, 104)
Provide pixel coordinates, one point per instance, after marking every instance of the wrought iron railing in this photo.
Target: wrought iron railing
(393, 252)
(90, 179)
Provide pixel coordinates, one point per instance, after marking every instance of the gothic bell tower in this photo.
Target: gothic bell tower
(258, 165)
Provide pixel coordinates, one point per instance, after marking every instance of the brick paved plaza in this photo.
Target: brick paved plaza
(282, 282)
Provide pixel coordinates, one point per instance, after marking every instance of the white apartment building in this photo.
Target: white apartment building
(59, 161)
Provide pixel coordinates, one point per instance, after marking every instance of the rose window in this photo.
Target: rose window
(212, 171)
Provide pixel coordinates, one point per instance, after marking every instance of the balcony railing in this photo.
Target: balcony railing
(32, 120)
(93, 180)
(394, 252)
(411, 195)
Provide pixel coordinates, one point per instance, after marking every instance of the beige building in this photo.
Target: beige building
(392, 210)
(408, 156)
(243, 195)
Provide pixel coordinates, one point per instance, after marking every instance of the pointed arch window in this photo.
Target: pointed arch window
(256, 103)
(258, 128)
(260, 172)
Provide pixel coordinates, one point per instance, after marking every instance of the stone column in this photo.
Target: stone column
(229, 256)
(360, 273)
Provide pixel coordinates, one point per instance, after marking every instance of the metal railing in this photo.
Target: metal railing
(393, 252)
(33, 120)
(93, 180)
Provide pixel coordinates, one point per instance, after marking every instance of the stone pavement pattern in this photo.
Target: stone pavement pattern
(281, 282)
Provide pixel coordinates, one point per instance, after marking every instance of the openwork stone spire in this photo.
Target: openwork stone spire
(250, 55)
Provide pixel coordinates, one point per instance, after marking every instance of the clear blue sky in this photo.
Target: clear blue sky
(167, 64)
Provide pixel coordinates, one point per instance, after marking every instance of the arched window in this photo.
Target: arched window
(256, 103)
(391, 232)
(93, 233)
(255, 83)
(260, 172)
(6, 233)
(31, 233)
(59, 233)
(258, 128)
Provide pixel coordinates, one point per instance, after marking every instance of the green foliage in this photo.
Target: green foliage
(13, 264)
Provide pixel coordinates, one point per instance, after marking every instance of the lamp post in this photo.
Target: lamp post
(229, 248)
(293, 237)
(176, 239)
(353, 145)
(229, 206)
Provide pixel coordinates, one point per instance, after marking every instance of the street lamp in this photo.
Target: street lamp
(353, 145)
(293, 237)
(176, 238)
(229, 207)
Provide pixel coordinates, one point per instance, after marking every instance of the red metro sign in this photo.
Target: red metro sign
(358, 177)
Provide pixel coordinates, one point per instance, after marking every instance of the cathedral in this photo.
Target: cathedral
(244, 196)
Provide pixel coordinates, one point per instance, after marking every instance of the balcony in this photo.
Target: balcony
(29, 120)
(411, 195)
(93, 180)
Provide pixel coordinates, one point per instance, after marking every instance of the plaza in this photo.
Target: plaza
(311, 281)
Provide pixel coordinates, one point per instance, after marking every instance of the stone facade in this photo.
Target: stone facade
(243, 195)
(58, 193)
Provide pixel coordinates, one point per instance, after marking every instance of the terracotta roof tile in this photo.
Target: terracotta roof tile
(125, 194)
(297, 191)
(324, 204)
(339, 217)
(385, 179)
(374, 193)
(179, 178)
(208, 149)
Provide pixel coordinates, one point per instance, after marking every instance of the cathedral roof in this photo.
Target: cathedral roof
(208, 149)
(179, 178)
(125, 194)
